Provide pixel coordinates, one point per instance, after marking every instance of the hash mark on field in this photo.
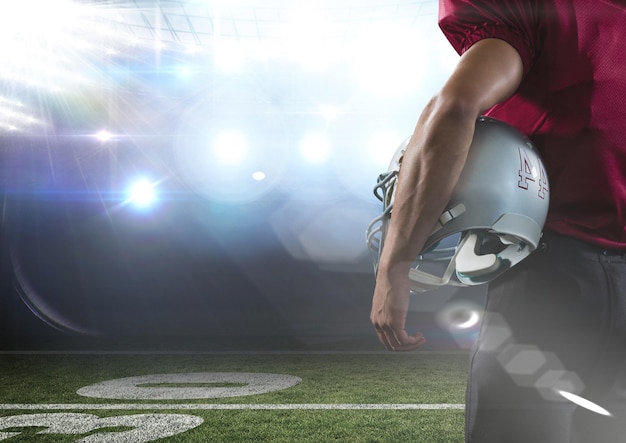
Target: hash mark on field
(195, 406)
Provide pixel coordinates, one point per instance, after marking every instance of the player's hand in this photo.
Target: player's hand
(390, 306)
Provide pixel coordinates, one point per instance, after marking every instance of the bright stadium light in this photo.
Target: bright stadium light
(383, 66)
(230, 57)
(103, 135)
(230, 148)
(315, 148)
(307, 37)
(40, 16)
(14, 115)
(141, 193)
(184, 71)
(259, 176)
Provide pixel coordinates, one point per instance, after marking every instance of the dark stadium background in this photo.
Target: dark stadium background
(221, 258)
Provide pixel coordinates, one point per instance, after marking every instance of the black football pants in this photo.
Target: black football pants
(553, 334)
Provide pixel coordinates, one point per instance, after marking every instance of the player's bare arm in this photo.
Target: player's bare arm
(486, 74)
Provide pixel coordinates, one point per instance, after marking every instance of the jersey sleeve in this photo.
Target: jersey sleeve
(464, 22)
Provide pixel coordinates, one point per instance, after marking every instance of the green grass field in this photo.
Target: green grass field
(366, 397)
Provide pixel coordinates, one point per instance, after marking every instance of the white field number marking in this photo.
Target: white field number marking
(146, 427)
(150, 427)
(131, 388)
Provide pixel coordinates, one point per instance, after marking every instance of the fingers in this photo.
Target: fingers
(390, 305)
(399, 341)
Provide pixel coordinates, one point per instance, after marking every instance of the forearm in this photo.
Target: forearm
(489, 72)
(430, 169)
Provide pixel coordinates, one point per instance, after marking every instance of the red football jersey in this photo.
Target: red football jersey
(571, 103)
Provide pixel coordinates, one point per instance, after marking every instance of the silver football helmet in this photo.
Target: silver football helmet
(493, 220)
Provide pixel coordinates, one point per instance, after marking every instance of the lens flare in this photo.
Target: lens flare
(459, 316)
(584, 403)
(142, 193)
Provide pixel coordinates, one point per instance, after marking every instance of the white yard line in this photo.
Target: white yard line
(201, 406)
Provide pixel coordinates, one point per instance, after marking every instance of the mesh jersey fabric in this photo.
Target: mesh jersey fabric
(571, 102)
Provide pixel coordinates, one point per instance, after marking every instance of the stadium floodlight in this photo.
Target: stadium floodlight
(141, 193)
(258, 176)
(230, 148)
(315, 148)
(308, 37)
(38, 16)
(229, 56)
(103, 135)
(383, 66)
